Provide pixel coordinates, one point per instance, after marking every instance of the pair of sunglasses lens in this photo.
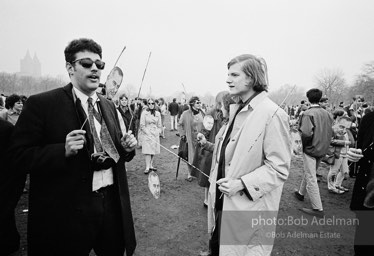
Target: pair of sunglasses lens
(151, 103)
(87, 63)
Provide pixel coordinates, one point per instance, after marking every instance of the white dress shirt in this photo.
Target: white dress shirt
(101, 178)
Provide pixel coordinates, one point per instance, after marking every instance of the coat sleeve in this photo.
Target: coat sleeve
(277, 160)
(182, 121)
(306, 129)
(29, 151)
(159, 123)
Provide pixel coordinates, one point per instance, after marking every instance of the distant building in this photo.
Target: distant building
(30, 66)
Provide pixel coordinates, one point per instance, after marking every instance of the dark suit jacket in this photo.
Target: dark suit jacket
(173, 108)
(11, 186)
(59, 184)
(365, 165)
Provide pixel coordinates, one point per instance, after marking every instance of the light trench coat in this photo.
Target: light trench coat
(258, 153)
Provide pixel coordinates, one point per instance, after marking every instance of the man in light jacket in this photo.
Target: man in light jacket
(251, 162)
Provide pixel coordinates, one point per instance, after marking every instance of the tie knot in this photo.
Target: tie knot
(89, 100)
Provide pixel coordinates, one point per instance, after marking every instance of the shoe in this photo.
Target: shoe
(147, 171)
(299, 196)
(336, 191)
(205, 205)
(315, 212)
(177, 134)
(153, 169)
(342, 188)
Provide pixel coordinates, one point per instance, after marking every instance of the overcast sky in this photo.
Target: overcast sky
(192, 40)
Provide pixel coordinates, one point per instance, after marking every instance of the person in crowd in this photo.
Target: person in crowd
(157, 105)
(11, 186)
(14, 105)
(3, 110)
(163, 111)
(70, 140)
(362, 196)
(324, 102)
(249, 165)
(173, 109)
(183, 106)
(139, 105)
(301, 109)
(190, 124)
(316, 134)
(354, 109)
(365, 108)
(339, 169)
(150, 126)
(220, 116)
(126, 113)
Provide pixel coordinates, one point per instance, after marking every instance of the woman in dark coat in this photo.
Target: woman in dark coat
(126, 112)
(203, 158)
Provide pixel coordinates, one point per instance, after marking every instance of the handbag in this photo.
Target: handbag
(183, 149)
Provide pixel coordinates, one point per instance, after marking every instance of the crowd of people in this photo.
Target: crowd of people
(74, 142)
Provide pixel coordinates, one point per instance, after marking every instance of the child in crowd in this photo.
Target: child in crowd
(340, 143)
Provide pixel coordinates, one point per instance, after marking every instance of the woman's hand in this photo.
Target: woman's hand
(230, 186)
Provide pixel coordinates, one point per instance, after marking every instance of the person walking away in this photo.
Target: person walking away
(316, 134)
(173, 109)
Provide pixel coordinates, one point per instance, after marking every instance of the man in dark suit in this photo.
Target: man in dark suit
(363, 192)
(10, 191)
(71, 142)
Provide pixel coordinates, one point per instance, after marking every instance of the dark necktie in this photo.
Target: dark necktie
(107, 143)
(226, 140)
(82, 116)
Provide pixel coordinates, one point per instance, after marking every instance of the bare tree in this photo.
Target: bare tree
(364, 83)
(332, 84)
(294, 97)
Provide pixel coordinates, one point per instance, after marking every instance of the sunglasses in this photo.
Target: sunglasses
(151, 103)
(198, 102)
(87, 63)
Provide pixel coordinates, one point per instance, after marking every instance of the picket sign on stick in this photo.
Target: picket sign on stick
(107, 81)
(141, 83)
(119, 56)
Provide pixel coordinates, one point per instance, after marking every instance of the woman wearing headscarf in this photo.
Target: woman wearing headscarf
(150, 126)
(190, 124)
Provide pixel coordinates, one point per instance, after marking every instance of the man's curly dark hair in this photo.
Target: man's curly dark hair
(81, 45)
